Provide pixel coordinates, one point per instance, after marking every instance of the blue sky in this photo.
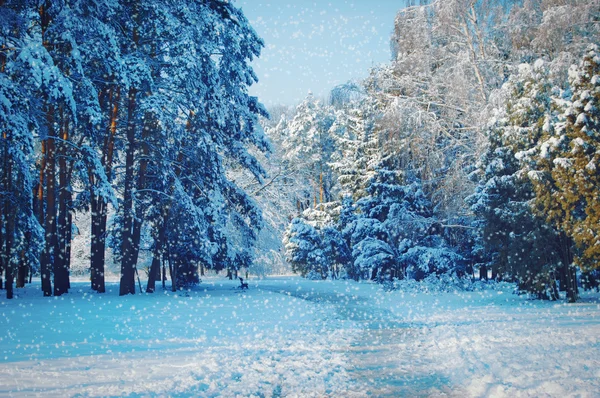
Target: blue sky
(314, 45)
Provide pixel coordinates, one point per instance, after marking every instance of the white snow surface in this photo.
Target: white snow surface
(288, 336)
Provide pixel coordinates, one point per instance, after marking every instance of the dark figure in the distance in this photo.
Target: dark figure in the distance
(242, 284)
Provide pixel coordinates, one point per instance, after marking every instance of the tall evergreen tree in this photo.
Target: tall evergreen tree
(20, 233)
(521, 244)
(576, 161)
(564, 173)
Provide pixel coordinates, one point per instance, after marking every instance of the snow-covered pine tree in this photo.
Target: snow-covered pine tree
(418, 236)
(20, 233)
(565, 175)
(577, 163)
(517, 245)
(45, 62)
(91, 59)
(49, 67)
(218, 217)
(167, 84)
(102, 75)
(520, 245)
(303, 245)
(356, 152)
(309, 146)
(374, 259)
(395, 217)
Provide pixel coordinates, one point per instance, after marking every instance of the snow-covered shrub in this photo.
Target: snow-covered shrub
(313, 275)
(422, 261)
(362, 228)
(374, 259)
(447, 282)
(303, 249)
(335, 250)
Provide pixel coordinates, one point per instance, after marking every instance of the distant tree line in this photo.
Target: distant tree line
(138, 106)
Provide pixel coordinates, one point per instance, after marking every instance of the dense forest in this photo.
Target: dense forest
(475, 152)
(136, 106)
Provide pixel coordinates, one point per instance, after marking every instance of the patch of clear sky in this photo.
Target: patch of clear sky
(316, 45)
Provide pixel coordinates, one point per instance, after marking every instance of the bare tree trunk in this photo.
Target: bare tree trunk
(569, 278)
(97, 237)
(164, 272)
(99, 206)
(157, 255)
(568, 275)
(23, 267)
(127, 285)
(61, 262)
(9, 225)
(2, 262)
(2, 212)
(49, 220)
(10, 231)
(98, 243)
(141, 183)
(50, 214)
(554, 295)
(172, 269)
(39, 207)
(68, 238)
(136, 231)
(3, 180)
(495, 272)
(94, 210)
(483, 272)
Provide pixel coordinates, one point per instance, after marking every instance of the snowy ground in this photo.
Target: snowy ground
(292, 337)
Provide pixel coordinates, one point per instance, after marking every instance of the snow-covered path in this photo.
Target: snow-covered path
(487, 343)
(292, 337)
(380, 358)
